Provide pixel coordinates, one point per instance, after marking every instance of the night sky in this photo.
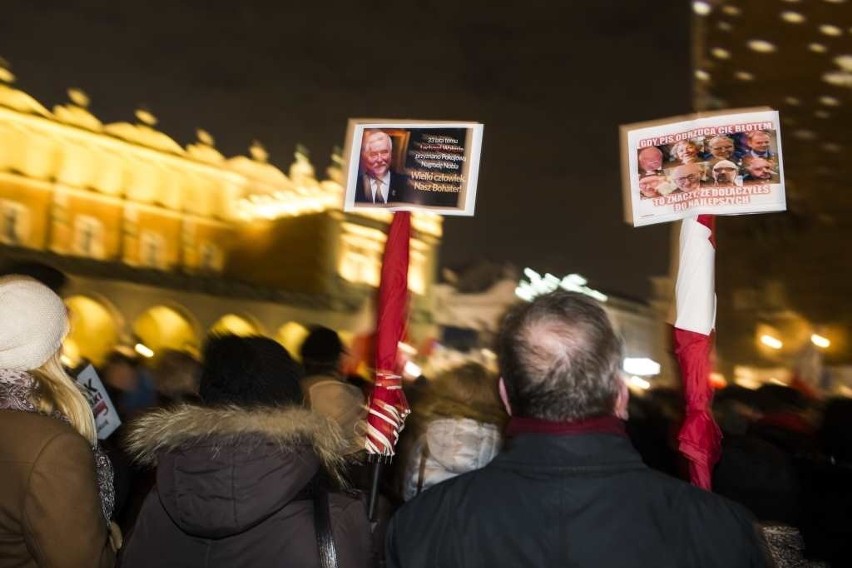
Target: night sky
(551, 81)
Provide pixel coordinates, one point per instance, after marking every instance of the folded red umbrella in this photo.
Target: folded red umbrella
(388, 407)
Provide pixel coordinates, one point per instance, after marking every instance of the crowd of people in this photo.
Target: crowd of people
(252, 456)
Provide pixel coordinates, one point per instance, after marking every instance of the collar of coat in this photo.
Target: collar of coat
(170, 428)
(593, 425)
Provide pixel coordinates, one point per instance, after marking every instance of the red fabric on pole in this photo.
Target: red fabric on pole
(388, 406)
(699, 438)
(710, 222)
(393, 292)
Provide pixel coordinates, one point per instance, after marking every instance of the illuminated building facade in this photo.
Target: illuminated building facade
(163, 243)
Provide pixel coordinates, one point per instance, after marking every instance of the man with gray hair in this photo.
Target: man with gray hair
(722, 148)
(650, 160)
(569, 489)
(378, 183)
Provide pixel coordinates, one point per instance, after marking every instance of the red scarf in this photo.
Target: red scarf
(595, 425)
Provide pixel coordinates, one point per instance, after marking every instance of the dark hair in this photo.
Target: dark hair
(321, 351)
(559, 358)
(836, 430)
(467, 391)
(48, 275)
(248, 371)
(119, 358)
(770, 398)
(176, 374)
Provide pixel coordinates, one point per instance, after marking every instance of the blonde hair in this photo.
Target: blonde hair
(57, 392)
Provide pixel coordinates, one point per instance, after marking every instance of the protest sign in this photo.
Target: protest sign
(723, 164)
(106, 417)
(404, 165)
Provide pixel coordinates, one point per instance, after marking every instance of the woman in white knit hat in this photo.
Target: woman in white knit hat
(56, 492)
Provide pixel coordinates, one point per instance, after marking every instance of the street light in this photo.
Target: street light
(771, 342)
(702, 8)
(143, 350)
(640, 366)
(820, 341)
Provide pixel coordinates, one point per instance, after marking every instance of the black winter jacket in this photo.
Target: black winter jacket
(231, 491)
(572, 500)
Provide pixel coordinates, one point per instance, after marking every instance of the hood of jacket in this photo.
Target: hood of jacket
(221, 471)
(460, 445)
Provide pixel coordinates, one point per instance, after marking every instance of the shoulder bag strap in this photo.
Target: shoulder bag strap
(322, 525)
(421, 471)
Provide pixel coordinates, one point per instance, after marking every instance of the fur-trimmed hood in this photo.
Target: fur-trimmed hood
(222, 470)
(168, 429)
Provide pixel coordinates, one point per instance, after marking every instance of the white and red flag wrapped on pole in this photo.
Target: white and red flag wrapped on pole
(695, 301)
(388, 407)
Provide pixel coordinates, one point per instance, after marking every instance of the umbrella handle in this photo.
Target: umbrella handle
(373, 502)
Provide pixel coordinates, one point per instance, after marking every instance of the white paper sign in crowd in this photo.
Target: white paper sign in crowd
(723, 164)
(411, 165)
(106, 417)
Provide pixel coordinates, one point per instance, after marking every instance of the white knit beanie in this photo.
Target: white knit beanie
(33, 323)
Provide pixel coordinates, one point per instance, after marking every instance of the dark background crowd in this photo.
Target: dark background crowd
(787, 457)
(239, 444)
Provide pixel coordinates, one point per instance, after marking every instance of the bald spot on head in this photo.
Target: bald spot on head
(559, 357)
(550, 344)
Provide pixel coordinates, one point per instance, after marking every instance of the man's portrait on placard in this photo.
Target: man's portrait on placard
(399, 165)
(380, 177)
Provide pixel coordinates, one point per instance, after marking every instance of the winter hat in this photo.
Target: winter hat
(322, 345)
(33, 323)
(248, 371)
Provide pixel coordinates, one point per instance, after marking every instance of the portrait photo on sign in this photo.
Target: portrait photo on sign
(727, 163)
(412, 165)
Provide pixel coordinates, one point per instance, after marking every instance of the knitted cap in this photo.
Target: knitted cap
(248, 371)
(33, 323)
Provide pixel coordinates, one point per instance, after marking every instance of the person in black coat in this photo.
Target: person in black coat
(569, 490)
(239, 474)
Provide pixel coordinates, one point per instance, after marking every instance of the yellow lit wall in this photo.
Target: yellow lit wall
(291, 335)
(292, 253)
(234, 324)
(94, 330)
(127, 192)
(360, 258)
(34, 198)
(86, 225)
(206, 245)
(150, 229)
(162, 328)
